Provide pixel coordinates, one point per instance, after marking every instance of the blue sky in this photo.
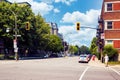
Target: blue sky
(66, 13)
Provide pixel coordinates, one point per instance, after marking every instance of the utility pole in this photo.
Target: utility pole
(15, 40)
(65, 44)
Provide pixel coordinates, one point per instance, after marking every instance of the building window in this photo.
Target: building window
(109, 25)
(109, 7)
(109, 41)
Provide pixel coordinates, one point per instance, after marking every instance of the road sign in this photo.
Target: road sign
(15, 43)
(17, 35)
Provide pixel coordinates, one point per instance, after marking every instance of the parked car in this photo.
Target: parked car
(84, 58)
(53, 55)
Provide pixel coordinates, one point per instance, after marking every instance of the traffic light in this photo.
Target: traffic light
(101, 43)
(27, 27)
(98, 31)
(78, 26)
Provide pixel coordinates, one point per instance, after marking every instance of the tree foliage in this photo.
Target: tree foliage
(38, 37)
(110, 51)
(73, 49)
(93, 47)
(55, 44)
(84, 50)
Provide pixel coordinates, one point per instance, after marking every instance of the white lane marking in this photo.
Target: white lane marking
(83, 73)
(115, 70)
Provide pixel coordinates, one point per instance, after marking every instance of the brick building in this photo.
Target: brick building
(109, 23)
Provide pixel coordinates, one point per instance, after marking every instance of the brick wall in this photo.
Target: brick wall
(114, 16)
(116, 25)
(116, 6)
(111, 15)
(116, 43)
(112, 34)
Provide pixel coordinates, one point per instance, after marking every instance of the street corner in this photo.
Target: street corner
(96, 63)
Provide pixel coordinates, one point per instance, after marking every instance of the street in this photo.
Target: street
(65, 68)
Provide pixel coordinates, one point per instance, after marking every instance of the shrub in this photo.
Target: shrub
(110, 51)
(1, 56)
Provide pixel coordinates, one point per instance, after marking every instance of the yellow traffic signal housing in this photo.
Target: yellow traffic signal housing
(27, 27)
(78, 26)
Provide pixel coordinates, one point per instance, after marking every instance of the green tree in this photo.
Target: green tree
(38, 27)
(54, 44)
(84, 50)
(73, 49)
(7, 16)
(111, 52)
(25, 15)
(6, 22)
(37, 37)
(93, 47)
(42, 31)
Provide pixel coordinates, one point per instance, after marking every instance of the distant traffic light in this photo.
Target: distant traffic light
(98, 31)
(27, 27)
(78, 26)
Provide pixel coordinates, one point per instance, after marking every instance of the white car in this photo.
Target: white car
(83, 58)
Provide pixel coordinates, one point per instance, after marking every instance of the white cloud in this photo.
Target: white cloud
(68, 2)
(56, 10)
(47, 1)
(42, 7)
(74, 37)
(85, 35)
(89, 18)
(38, 7)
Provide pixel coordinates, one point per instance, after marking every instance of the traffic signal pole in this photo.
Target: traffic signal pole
(100, 41)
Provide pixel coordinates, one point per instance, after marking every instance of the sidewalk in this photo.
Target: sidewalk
(96, 62)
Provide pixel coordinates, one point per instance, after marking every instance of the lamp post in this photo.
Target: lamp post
(15, 40)
(64, 49)
(65, 42)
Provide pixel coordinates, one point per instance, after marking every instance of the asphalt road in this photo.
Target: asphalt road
(54, 69)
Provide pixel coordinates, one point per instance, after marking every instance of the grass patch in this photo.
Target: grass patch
(1, 56)
(11, 57)
(114, 63)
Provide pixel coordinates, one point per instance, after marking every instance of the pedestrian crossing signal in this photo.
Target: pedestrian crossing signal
(78, 26)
